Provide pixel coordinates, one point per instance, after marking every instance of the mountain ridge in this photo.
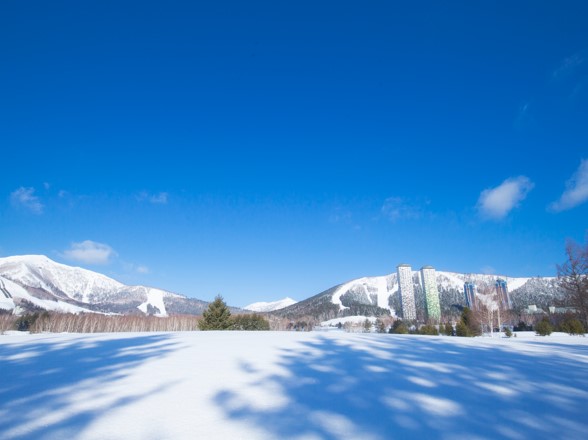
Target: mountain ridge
(271, 306)
(33, 282)
(379, 295)
(49, 285)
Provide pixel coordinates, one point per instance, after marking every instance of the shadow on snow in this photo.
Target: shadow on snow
(387, 386)
(45, 385)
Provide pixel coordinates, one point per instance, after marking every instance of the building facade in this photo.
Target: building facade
(469, 290)
(406, 291)
(429, 283)
(503, 295)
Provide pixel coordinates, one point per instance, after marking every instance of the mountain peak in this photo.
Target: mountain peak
(46, 284)
(270, 306)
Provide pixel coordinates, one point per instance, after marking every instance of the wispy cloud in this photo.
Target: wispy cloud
(159, 198)
(142, 269)
(569, 65)
(26, 198)
(524, 117)
(397, 208)
(576, 191)
(496, 203)
(90, 252)
(571, 76)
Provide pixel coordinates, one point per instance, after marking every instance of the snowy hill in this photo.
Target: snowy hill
(377, 296)
(12, 295)
(35, 281)
(270, 306)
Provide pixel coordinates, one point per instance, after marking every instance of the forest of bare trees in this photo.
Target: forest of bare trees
(40, 322)
(95, 323)
(573, 278)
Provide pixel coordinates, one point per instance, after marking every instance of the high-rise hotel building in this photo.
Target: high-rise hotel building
(406, 291)
(429, 283)
(503, 295)
(469, 290)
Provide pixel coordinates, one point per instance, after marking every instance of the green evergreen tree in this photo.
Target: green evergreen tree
(471, 323)
(507, 332)
(428, 329)
(572, 326)
(216, 317)
(461, 329)
(249, 322)
(399, 328)
(448, 329)
(543, 327)
(380, 326)
(367, 326)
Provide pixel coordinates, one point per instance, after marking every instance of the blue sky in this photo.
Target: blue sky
(269, 149)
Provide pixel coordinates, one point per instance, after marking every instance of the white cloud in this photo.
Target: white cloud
(25, 197)
(496, 203)
(576, 191)
(159, 198)
(90, 252)
(396, 208)
(142, 269)
(570, 65)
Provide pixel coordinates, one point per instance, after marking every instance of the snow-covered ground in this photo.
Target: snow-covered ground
(280, 385)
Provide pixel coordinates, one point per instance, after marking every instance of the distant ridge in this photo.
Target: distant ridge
(377, 296)
(270, 306)
(37, 282)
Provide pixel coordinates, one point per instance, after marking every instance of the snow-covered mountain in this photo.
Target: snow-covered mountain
(270, 306)
(376, 296)
(35, 281)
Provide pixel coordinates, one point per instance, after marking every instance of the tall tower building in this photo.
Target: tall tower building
(406, 291)
(429, 283)
(469, 290)
(503, 295)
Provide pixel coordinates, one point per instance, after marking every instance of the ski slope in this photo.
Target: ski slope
(269, 385)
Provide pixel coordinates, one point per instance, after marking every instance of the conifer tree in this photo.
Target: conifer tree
(468, 325)
(380, 326)
(399, 327)
(461, 329)
(571, 326)
(216, 317)
(470, 321)
(249, 322)
(543, 327)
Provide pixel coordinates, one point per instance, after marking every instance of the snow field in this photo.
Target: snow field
(268, 385)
